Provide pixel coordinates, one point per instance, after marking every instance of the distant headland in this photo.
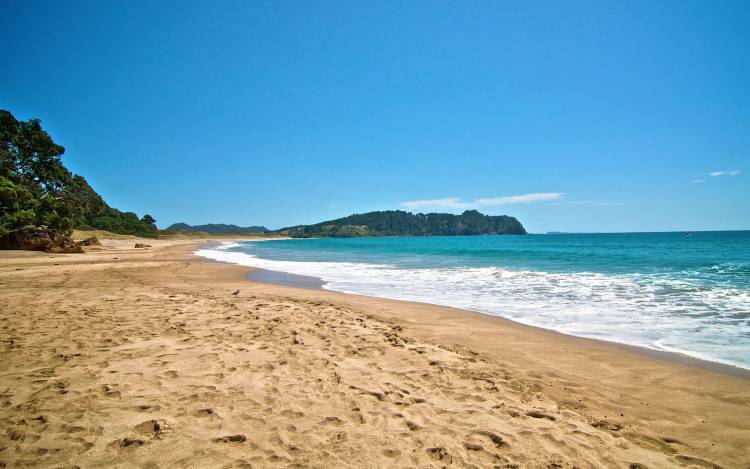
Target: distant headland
(401, 223)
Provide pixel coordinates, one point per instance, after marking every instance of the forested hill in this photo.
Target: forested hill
(400, 223)
(36, 189)
(217, 228)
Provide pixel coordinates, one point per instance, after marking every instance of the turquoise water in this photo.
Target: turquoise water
(666, 291)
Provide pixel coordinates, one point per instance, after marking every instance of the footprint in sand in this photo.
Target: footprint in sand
(207, 413)
(473, 446)
(391, 453)
(333, 421)
(152, 428)
(147, 408)
(108, 391)
(239, 438)
(495, 438)
(540, 415)
(128, 442)
(413, 426)
(291, 414)
(604, 424)
(71, 429)
(440, 454)
(697, 462)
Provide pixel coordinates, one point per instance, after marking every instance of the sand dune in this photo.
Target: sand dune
(124, 357)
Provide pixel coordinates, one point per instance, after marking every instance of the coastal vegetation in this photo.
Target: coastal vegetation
(36, 189)
(401, 223)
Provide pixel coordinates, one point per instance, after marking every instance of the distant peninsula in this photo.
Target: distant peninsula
(218, 228)
(401, 223)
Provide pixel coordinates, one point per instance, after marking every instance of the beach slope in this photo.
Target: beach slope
(125, 357)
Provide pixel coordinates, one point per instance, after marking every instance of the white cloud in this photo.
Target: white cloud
(698, 181)
(456, 203)
(520, 199)
(592, 203)
(724, 173)
(447, 202)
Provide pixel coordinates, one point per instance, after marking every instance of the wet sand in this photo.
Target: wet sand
(123, 357)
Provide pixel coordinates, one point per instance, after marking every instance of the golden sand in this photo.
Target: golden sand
(125, 357)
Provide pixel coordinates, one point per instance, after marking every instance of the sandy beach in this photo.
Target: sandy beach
(126, 357)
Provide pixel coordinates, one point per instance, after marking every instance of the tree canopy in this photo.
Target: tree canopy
(37, 189)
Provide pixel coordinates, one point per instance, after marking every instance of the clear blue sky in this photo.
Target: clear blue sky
(573, 116)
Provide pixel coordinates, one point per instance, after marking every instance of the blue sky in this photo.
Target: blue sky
(572, 116)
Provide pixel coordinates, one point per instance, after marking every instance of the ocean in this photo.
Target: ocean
(664, 291)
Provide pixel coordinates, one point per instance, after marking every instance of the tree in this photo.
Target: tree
(37, 189)
(28, 155)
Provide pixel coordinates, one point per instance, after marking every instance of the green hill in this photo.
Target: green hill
(37, 189)
(400, 223)
(217, 228)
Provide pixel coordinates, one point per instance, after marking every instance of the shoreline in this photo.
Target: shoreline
(126, 357)
(282, 278)
(269, 277)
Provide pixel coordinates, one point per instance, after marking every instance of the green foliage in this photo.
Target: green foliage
(115, 221)
(14, 197)
(37, 189)
(400, 223)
